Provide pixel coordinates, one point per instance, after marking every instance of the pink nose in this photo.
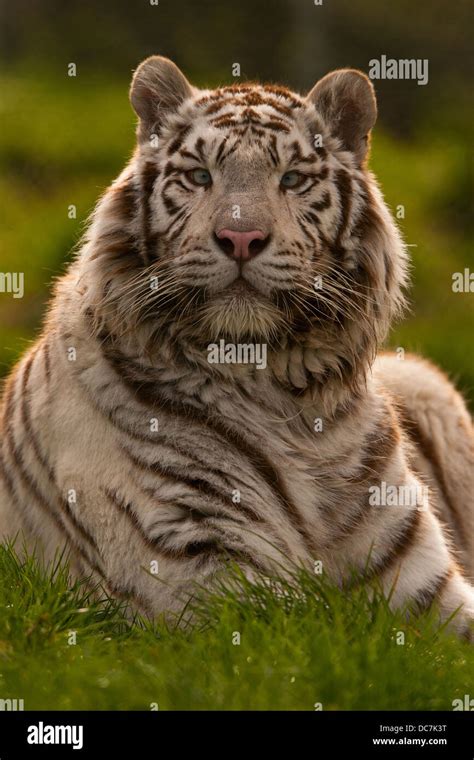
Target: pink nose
(241, 245)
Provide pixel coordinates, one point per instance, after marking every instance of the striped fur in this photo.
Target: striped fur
(124, 444)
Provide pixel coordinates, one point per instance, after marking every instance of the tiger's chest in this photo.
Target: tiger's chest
(180, 470)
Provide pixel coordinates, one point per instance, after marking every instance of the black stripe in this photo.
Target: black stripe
(425, 445)
(178, 141)
(146, 391)
(273, 150)
(175, 445)
(203, 549)
(425, 597)
(176, 181)
(47, 360)
(170, 205)
(401, 545)
(30, 486)
(170, 168)
(324, 203)
(310, 217)
(220, 151)
(30, 435)
(198, 484)
(199, 148)
(297, 155)
(307, 189)
(344, 185)
(149, 176)
(82, 559)
(21, 507)
(229, 152)
(187, 154)
(378, 447)
(127, 510)
(171, 233)
(306, 232)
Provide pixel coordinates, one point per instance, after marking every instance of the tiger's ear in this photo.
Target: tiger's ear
(346, 100)
(158, 88)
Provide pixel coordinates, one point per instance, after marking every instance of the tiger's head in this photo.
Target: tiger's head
(247, 213)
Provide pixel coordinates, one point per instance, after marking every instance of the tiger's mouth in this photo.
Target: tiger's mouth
(242, 287)
(238, 312)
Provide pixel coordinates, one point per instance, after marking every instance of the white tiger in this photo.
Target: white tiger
(246, 215)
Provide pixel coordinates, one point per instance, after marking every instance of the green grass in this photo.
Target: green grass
(311, 644)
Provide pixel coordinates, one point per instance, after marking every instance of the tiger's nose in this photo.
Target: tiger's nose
(241, 246)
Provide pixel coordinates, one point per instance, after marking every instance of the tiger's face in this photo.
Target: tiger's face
(241, 207)
(251, 211)
(251, 197)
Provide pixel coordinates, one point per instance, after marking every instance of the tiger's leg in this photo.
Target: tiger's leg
(13, 518)
(29, 506)
(10, 523)
(427, 573)
(410, 556)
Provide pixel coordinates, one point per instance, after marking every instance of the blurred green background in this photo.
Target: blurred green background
(63, 139)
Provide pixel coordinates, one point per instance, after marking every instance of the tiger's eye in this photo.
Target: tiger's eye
(292, 179)
(200, 177)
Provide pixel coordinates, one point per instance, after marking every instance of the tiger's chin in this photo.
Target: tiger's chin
(241, 314)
